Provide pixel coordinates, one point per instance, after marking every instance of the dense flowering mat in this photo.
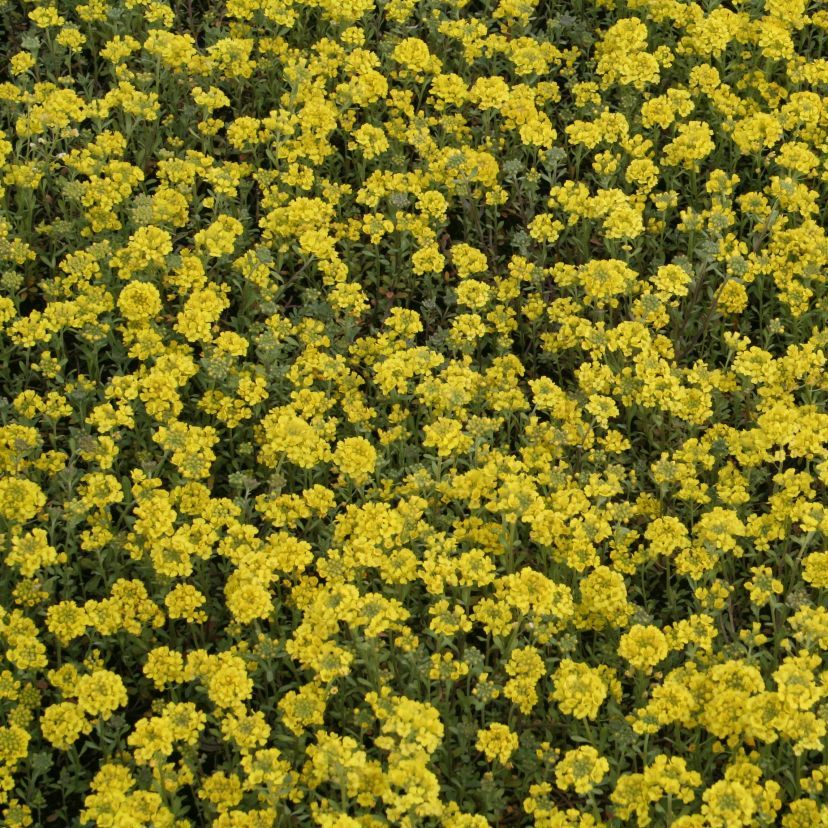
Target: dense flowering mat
(413, 413)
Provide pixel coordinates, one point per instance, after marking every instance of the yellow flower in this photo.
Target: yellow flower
(413, 54)
(728, 803)
(732, 297)
(219, 239)
(643, 647)
(228, 683)
(356, 458)
(247, 730)
(446, 436)
(371, 140)
(151, 739)
(20, 499)
(66, 621)
(762, 586)
(21, 63)
(71, 38)
(603, 599)
(692, 144)
(46, 16)
(285, 433)
(497, 741)
(303, 708)
(247, 596)
(14, 743)
(580, 690)
(139, 301)
(101, 693)
(428, 259)
(164, 666)
(63, 724)
(31, 552)
(815, 569)
(526, 668)
(185, 601)
(582, 769)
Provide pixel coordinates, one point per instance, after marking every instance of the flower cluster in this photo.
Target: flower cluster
(414, 412)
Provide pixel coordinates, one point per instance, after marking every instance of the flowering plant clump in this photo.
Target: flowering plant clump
(413, 413)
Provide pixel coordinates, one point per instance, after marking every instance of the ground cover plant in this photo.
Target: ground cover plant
(413, 413)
